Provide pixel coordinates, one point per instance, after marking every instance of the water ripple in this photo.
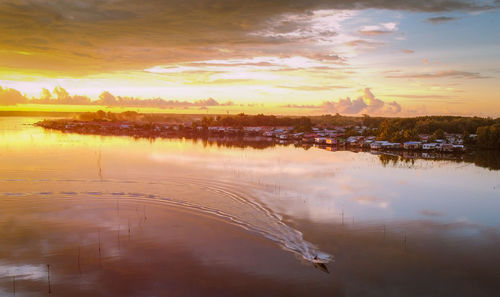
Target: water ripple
(225, 200)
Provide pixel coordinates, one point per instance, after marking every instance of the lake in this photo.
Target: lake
(86, 215)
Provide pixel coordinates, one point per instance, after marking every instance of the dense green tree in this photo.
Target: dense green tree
(303, 124)
(489, 137)
(438, 134)
(386, 130)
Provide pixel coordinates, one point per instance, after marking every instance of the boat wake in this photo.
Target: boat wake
(222, 199)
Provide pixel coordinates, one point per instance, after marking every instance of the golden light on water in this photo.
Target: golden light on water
(135, 205)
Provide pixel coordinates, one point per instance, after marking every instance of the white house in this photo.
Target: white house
(320, 139)
(430, 146)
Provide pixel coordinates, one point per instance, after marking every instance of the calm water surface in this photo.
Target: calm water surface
(85, 215)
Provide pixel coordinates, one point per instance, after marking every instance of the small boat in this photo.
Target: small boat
(320, 264)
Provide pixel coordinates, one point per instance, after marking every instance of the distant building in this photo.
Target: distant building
(430, 146)
(412, 145)
(331, 141)
(320, 140)
(376, 145)
(391, 145)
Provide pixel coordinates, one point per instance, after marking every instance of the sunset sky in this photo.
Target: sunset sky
(380, 57)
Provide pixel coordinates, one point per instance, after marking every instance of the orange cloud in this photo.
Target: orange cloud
(366, 103)
(13, 97)
(374, 32)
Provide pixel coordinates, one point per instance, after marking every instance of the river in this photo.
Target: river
(86, 215)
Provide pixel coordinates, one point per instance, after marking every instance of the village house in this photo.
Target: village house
(391, 145)
(366, 143)
(412, 145)
(283, 136)
(424, 137)
(309, 137)
(320, 140)
(354, 140)
(331, 141)
(430, 146)
(447, 147)
(376, 145)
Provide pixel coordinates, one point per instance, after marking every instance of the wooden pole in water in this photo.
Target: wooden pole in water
(48, 278)
(129, 229)
(404, 240)
(119, 237)
(79, 266)
(99, 238)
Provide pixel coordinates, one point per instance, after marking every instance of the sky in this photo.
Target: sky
(304, 57)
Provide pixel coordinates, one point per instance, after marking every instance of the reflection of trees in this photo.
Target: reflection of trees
(485, 159)
(387, 159)
(482, 158)
(238, 143)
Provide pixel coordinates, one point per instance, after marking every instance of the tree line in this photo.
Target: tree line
(300, 124)
(407, 129)
(391, 129)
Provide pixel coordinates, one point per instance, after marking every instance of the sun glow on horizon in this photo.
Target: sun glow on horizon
(267, 58)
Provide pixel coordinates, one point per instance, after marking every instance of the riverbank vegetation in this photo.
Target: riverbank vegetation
(481, 132)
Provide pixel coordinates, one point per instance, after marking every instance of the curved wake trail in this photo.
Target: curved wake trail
(222, 199)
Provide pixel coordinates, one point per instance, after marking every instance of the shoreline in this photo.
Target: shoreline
(229, 134)
(484, 158)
